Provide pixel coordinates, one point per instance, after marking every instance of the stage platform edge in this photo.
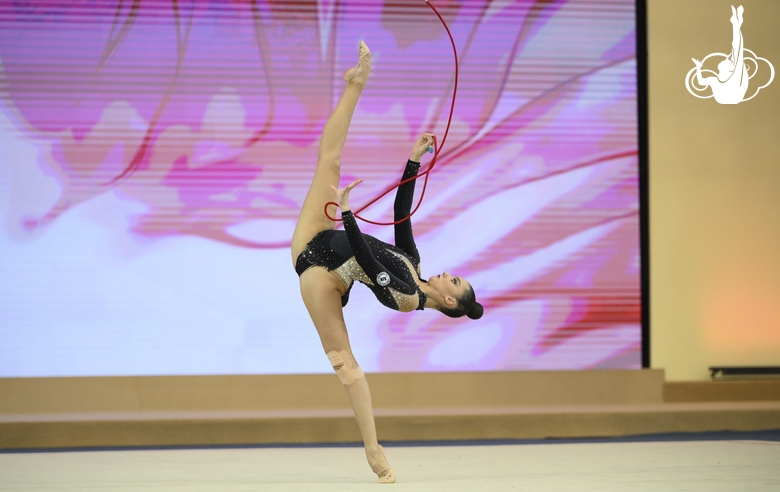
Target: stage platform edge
(43, 413)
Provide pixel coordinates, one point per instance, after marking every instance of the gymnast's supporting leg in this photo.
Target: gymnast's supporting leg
(360, 397)
(321, 293)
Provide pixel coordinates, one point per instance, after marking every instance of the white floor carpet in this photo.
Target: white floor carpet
(610, 466)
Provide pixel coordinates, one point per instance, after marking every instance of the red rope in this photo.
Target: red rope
(436, 149)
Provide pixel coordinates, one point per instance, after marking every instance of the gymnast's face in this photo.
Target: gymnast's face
(450, 287)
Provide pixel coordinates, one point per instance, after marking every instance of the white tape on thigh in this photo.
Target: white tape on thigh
(348, 371)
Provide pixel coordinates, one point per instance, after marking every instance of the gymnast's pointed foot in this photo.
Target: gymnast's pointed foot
(380, 466)
(359, 74)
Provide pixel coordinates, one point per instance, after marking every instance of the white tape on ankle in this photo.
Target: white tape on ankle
(345, 366)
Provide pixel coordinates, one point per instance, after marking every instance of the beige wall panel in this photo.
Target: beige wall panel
(52, 395)
(740, 390)
(325, 392)
(714, 196)
(206, 393)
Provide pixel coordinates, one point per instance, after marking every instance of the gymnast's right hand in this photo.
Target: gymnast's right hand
(342, 195)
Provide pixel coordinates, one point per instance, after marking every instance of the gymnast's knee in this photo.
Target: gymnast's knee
(345, 366)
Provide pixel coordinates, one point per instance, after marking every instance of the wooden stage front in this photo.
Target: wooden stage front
(224, 410)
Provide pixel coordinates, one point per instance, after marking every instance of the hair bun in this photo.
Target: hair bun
(476, 311)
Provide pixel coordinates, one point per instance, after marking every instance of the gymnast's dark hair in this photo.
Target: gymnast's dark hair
(467, 304)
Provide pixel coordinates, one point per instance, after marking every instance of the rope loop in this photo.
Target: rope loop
(436, 149)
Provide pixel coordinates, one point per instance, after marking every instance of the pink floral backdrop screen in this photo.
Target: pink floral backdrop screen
(155, 155)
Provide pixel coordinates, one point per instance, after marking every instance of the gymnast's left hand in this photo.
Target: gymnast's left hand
(342, 195)
(421, 147)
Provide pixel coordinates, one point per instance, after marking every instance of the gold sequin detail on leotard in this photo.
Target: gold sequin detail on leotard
(406, 302)
(351, 271)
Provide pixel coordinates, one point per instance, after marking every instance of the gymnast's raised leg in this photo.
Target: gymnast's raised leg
(321, 290)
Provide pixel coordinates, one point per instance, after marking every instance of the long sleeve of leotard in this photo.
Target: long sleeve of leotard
(372, 267)
(404, 198)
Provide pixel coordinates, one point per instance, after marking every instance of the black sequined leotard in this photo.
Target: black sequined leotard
(391, 272)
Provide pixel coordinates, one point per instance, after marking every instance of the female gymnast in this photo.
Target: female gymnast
(329, 261)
